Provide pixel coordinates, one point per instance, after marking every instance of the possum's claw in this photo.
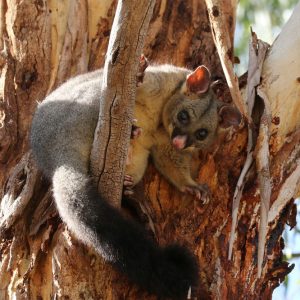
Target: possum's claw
(135, 132)
(200, 191)
(128, 181)
(128, 192)
(141, 71)
(128, 185)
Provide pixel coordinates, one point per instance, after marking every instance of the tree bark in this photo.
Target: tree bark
(45, 42)
(110, 147)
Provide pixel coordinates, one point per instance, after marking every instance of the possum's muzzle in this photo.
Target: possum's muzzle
(180, 140)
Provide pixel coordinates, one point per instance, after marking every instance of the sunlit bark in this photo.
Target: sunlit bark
(45, 42)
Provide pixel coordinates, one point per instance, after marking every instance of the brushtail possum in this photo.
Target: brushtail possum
(179, 114)
(176, 111)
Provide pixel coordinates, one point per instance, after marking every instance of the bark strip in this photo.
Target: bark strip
(264, 180)
(257, 53)
(224, 45)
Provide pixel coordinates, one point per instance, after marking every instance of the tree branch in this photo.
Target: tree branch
(224, 45)
(111, 139)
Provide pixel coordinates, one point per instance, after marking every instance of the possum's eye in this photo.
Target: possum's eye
(183, 117)
(201, 134)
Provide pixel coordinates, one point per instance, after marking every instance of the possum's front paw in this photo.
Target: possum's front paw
(128, 185)
(135, 130)
(200, 191)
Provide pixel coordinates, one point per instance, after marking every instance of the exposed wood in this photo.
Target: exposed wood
(18, 191)
(282, 71)
(264, 181)
(257, 53)
(266, 129)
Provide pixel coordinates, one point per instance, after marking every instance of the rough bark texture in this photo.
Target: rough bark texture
(111, 140)
(45, 42)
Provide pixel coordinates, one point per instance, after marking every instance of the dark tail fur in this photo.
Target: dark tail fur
(166, 272)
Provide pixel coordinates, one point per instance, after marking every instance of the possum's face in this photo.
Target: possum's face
(193, 115)
(194, 123)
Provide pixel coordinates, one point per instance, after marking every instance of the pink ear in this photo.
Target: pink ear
(198, 81)
(229, 116)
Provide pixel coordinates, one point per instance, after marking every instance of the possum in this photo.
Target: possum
(177, 112)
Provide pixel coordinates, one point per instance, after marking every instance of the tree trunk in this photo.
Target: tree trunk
(45, 42)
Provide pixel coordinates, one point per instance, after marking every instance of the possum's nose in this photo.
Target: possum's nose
(179, 141)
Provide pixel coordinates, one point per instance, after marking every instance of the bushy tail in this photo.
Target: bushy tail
(166, 272)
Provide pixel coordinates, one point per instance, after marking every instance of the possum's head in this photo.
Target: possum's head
(193, 116)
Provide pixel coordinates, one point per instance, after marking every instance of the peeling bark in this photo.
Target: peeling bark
(257, 53)
(223, 36)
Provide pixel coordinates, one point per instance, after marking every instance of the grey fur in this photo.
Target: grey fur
(61, 139)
